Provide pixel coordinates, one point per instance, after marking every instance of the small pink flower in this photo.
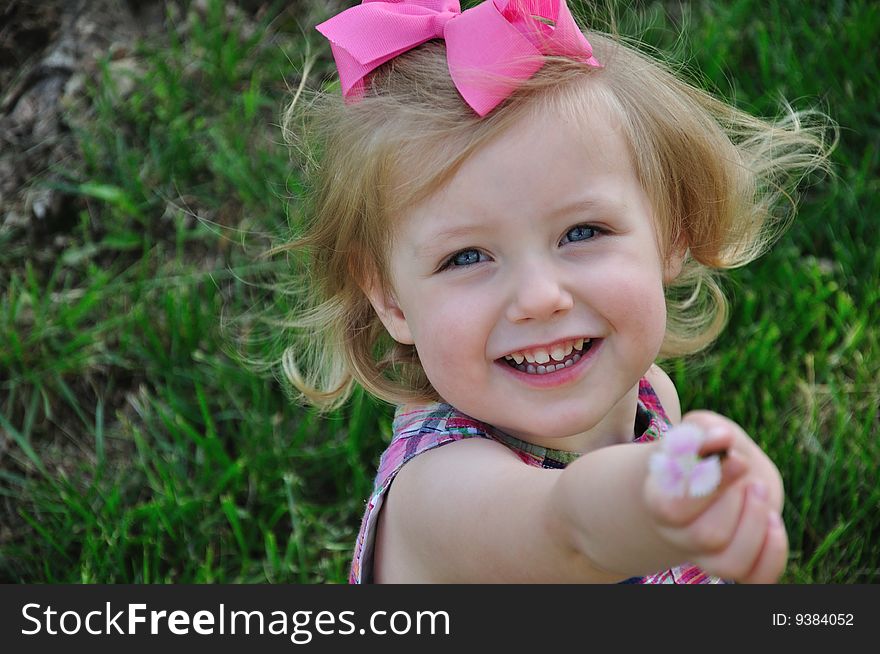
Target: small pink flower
(678, 468)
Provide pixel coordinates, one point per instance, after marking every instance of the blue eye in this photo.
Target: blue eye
(464, 258)
(580, 233)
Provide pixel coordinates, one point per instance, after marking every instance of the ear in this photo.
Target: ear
(387, 308)
(674, 261)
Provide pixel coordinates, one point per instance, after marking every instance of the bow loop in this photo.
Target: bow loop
(549, 26)
(490, 48)
(529, 16)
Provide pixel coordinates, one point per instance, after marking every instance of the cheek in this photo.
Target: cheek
(451, 341)
(445, 363)
(635, 304)
(444, 323)
(433, 351)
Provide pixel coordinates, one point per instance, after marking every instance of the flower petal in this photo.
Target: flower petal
(705, 477)
(684, 439)
(671, 476)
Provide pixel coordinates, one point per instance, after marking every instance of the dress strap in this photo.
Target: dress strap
(650, 414)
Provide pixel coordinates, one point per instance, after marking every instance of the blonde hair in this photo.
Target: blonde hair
(715, 176)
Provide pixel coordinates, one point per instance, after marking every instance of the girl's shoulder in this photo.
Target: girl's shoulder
(417, 428)
(659, 383)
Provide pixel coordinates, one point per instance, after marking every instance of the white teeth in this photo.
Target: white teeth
(542, 356)
(546, 367)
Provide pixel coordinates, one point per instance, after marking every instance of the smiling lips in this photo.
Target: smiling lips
(541, 361)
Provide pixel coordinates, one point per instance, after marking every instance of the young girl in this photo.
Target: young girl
(533, 215)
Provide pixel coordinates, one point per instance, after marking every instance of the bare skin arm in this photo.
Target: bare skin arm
(472, 512)
(594, 522)
(727, 533)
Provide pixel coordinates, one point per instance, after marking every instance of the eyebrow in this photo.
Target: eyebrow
(436, 241)
(455, 232)
(580, 205)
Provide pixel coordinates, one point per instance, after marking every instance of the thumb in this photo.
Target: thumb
(687, 472)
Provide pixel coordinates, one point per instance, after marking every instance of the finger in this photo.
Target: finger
(708, 419)
(774, 554)
(679, 512)
(713, 530)
(733, 467)
(721, 433)
(739, 558)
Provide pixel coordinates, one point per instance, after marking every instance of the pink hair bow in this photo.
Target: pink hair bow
(502, 38)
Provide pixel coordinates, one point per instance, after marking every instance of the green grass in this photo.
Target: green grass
(135, 448)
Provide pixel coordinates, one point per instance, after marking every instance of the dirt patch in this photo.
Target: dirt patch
(47, 52)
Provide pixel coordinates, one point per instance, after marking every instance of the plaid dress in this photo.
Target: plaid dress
(429, 426)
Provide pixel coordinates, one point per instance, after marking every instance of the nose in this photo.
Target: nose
(538, 293)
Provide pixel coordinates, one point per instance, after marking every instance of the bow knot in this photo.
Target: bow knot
(439, 20)
(490, 48)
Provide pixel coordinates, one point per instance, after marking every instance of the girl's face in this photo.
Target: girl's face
(542, 240)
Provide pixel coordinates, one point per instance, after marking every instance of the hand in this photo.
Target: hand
(736, 532)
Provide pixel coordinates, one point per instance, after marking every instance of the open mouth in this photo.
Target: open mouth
(545, 363)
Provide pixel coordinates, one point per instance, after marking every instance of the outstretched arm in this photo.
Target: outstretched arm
(472, 512)
(735, 532)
